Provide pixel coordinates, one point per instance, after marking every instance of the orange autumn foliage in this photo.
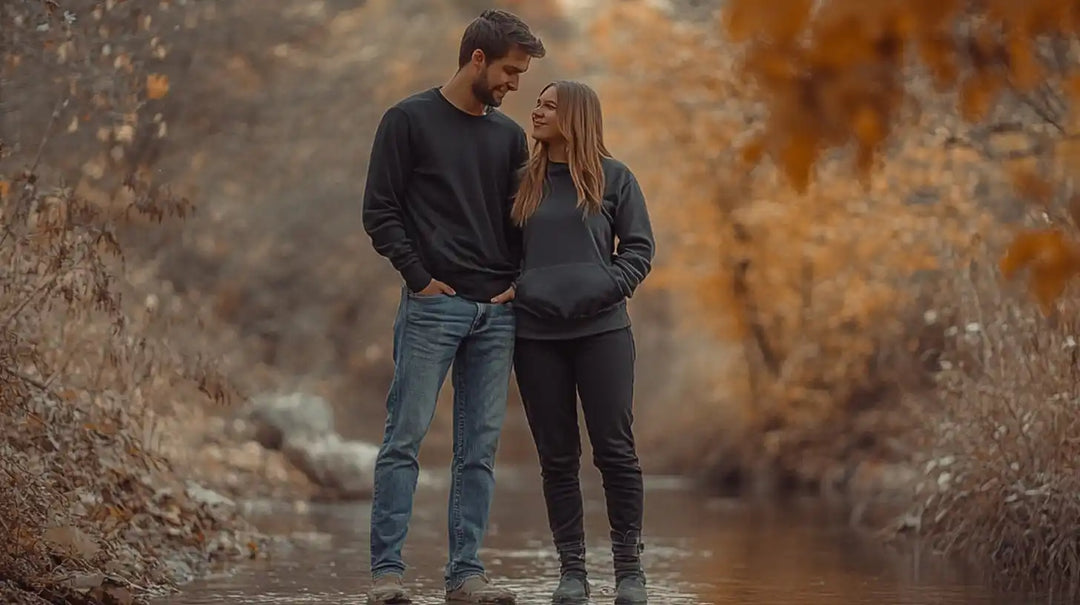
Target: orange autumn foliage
(157, 86)
(792, 301)
(825, 288)
(1051, 259)
(839, 75)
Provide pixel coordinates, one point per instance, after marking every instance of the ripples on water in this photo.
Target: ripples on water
(699, 551)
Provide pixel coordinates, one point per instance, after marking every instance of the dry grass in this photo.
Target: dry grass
(90, 511)
(1002, 450)
(89, 504)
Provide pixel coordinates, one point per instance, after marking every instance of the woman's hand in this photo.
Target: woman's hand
(505, 297)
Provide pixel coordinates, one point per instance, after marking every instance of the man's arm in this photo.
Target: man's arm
(384, 193)
(519, 160)
(519, 157)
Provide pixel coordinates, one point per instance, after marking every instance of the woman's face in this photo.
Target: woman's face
(544, 120)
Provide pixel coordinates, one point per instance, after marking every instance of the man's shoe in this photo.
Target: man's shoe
(631, 591)
(388, 590)
(573, 589)
(478, 589)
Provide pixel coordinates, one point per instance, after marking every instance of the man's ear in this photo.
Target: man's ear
(478, 58)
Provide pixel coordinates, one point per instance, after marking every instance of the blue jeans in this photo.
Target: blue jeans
(430, 333)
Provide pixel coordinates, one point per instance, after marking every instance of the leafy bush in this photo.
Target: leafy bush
(89, 508)
(846, 78)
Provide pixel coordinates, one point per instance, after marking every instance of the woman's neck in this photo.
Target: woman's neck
(556, 152)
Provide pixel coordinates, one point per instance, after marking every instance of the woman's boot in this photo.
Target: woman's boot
(629, 576)
(573, 580)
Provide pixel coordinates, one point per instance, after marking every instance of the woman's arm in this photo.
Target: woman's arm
(634, 255)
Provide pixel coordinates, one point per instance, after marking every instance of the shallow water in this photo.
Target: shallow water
(699, 550)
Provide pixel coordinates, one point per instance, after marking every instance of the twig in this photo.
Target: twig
(1043, 113)
(22, 305)
(27, 379)
(1052, 99)
(60, 103)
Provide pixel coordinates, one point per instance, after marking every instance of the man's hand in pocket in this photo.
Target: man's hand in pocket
(436, 287)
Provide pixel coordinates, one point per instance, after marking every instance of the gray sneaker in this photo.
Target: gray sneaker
(388, 590)
(478, 589)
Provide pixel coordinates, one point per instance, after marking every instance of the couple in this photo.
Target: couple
(509, 259)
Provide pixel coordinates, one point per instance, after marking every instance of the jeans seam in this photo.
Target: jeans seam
(393, 398)
(459, 464)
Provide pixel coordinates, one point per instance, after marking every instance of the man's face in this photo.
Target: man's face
(497, 78)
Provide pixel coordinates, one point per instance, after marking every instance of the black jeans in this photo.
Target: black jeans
(600, 368)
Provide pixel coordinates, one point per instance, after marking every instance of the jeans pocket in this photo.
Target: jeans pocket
(418, 296)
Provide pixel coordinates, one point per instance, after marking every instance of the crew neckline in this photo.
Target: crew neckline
(488, 110)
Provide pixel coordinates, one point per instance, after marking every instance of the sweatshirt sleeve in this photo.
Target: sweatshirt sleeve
(519, 160)
(384, 193)
(634, 255)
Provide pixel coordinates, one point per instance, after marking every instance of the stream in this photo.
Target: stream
(700, 550)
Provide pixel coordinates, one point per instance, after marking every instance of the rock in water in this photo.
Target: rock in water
(208, 498)
(344, 467)
(297, 416)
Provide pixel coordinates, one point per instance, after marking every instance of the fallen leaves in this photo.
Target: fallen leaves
(97, 587)
(71, 541)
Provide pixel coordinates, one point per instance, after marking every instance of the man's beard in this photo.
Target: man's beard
(483, 91)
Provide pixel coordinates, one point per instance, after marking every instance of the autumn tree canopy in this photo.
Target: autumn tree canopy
(843, 74)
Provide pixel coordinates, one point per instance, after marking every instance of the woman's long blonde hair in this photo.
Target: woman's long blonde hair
(581, 123)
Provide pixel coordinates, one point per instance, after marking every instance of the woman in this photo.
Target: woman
(573, 331)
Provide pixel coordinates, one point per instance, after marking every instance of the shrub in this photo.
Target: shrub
(803, 313)
(88, 507)
(1001, 464)
(846, 77)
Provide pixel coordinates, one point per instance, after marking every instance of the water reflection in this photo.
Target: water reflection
(700, 551)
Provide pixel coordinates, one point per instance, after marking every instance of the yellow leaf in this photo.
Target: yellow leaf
(157, 86)
(5, 187)
(1030, 185)
(752, 152)
(978, 95)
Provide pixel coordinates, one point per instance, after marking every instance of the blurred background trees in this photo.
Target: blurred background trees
(839, 187)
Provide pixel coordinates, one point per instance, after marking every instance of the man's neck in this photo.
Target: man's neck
(459, 92)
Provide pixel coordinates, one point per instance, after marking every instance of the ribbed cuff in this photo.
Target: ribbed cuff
(416, 277)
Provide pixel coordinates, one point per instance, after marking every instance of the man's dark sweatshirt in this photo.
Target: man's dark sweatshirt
(574, 282)
(439, 189)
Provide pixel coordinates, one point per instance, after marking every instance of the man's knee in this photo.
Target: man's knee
(404, 434)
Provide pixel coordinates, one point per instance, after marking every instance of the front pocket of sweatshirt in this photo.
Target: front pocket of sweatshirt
(568, 291)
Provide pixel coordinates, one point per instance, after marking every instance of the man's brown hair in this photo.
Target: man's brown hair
(496, 32)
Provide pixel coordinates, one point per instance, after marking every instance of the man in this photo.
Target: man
(437, 204)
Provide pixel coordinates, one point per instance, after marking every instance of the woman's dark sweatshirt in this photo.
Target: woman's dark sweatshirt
(574, 280)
